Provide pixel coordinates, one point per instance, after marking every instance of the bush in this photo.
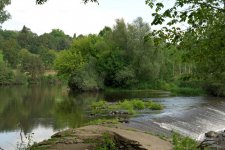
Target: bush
(6, 75)
(183, 143)
(107, 143)
(86, 79)
(127, 105)
(215, 89)
(99, 105)
(187, 91)
(138, 104)
(20, 78)
(125, 77)
(50, 79)
(154, 106)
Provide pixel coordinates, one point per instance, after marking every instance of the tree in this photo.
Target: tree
(56, 40)
(68, 62)
(28, 40)
(10, 50)
(31, 65)
(48, 58)
(194, 12)
(202, 43)
(78, 65)
(6, 74)
(1, 57)
(4, 15)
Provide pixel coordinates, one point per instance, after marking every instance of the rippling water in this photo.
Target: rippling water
(40, 111)
(190, 116)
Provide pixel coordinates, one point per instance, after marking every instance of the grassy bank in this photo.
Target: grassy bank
(127, 106)
(183, 143)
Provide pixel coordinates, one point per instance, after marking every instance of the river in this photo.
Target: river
(34, 113)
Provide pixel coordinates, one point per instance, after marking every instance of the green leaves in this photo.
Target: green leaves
(159, 6)
(191, 11)
(4, 15)
(68, 62)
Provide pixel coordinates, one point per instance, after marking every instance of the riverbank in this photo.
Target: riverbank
(98, 136)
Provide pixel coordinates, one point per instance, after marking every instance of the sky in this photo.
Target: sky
(73, 16)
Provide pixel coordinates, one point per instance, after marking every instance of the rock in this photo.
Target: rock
(124, 121)
(57, 135)
(211, 134)
(118, 113)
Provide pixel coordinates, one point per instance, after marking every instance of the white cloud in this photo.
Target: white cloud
(72, 16)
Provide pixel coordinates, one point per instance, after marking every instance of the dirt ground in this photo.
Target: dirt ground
(84, 137)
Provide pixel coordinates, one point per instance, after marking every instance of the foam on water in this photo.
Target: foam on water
(196, 125)
(193, 116)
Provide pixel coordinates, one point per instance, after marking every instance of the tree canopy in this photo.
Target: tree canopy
(202, 42)
(4, 15)
(193, 12)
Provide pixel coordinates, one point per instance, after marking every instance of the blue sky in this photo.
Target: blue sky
(72, 16)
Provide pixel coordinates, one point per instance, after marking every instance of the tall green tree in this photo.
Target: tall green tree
(32, 65)
(202, 43)
(11, 50)
(56, 40)
(4, 15)
(28, 40)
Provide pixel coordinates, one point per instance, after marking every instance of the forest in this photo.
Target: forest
(165, 77)
(127, 55)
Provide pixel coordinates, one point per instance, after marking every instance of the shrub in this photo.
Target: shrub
(50, 79)
(6, 74)
(154, 106)
(99, 104)
(85, 79)
(187, 91)
(107, 143)
(138, 104)
(183, 143)
(126, 105)
(20, 78)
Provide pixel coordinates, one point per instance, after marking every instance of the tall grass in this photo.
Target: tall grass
(187, 91)
(131, 106)
(183, 143)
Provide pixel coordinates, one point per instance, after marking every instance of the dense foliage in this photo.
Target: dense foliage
(123, 57)
(4, 15)
(201, 43)
(130, 55)
(27, 55)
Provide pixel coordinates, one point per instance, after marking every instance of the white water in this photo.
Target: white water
(189, 116)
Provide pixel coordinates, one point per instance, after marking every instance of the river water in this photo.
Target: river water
(35, 113)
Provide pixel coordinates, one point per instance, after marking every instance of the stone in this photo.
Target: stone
(57, 135)
(211, 134)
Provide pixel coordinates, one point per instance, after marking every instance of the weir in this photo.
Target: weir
(193, 117)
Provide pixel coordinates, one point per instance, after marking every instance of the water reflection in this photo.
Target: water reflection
(39, 108)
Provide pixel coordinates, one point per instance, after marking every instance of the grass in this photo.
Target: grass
(187, 91)
(183, 143)
(101, 121)
(130, 106)
(106, 143)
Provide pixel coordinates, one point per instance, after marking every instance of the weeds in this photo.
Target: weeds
(183, 143)
(130, 106)
(107, 143)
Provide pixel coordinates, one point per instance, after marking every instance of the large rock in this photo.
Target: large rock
(211, 134)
